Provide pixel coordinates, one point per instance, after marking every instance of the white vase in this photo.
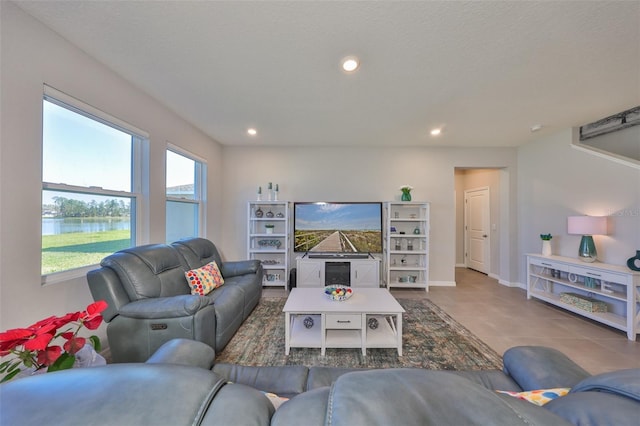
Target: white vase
(546, 248)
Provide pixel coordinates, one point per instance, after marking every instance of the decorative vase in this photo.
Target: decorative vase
(269, 230)
(546, 248)
(406, 196)
(634, 262)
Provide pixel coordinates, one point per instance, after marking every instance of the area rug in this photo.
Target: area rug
(431, 340)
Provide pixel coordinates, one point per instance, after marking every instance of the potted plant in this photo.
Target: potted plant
(34, 348)
(546, 244)
(269, 227)
(406, 192)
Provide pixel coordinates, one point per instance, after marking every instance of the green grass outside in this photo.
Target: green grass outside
(74, 250)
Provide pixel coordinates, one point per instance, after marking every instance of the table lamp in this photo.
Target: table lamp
(587, 226)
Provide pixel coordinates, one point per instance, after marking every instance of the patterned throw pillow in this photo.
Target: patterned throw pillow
(540, 396)
(204, 280)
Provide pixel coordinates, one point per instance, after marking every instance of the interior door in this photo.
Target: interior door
(477, 223)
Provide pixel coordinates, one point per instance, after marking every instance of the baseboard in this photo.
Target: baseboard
(513, 285)
(442, 283)
(461, 265)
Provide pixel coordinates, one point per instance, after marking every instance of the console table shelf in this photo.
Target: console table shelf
(618, 288)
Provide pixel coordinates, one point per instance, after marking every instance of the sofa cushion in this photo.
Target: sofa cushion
(622, 382)
(414, 396)
(539, 367)
(285, 381)
(197, 252)
(205, 279)
(153, 270)
(596, 409)
(490, 379)
(309, 409)
(115, 394)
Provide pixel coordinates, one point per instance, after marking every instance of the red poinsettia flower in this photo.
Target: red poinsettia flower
(68, 318)
(12, 338)
(30, 345)
(74, 344)
(43, 322)
(49, 355)
(92, 317)
(39, 342)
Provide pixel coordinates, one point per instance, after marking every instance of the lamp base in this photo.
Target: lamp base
(587, 250)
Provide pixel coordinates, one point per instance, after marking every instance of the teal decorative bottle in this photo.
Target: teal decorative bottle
(406, 195)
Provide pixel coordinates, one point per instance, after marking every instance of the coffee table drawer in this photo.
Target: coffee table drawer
(343, 321)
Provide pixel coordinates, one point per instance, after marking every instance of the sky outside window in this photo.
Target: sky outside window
(80, 151)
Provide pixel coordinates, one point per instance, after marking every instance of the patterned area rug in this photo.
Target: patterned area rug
(431, 340)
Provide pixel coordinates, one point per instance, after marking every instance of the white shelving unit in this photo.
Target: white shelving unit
(616, 286)
(270, 245)
(406, 250)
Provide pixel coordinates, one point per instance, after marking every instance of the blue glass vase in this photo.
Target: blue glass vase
(587, 250)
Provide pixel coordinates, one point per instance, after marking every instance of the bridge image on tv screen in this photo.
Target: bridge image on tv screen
(338, 227)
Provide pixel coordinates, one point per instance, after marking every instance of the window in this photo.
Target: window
(185, 201)
(89, 184)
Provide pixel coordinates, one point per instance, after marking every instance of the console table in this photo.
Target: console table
(614, 286)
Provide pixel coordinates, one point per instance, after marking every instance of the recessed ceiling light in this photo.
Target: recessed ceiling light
(350, 64)
(435, 132)
(252, 132)
(536, 127)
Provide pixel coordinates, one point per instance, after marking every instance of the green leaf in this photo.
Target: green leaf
(4, 366)
(9, 376)
(64, 362)
(13, 366)
(95, 341)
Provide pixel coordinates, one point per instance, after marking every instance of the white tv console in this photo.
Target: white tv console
(364, 272)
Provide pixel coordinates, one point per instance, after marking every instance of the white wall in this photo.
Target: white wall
(556, 181)
(355, 174)
(33, 55)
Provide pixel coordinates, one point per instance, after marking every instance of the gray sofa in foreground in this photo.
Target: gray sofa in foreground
(181, 385)
(150, 301)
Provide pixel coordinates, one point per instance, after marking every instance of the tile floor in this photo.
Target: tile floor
(503, 317)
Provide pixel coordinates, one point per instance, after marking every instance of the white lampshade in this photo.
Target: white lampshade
(587, 225)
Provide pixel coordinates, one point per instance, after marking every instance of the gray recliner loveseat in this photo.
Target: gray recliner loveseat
(150, 301)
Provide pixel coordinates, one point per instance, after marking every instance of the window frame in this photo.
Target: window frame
(139, 155)
(200, 188)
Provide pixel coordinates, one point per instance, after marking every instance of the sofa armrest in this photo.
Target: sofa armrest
(184, 352)
(240, 267)
(165, 307)
(539, 367)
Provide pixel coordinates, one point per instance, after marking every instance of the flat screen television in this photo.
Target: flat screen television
(337, 227)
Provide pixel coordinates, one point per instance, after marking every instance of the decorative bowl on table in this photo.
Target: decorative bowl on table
(338, 292)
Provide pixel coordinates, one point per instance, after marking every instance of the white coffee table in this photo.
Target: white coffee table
(343, 324)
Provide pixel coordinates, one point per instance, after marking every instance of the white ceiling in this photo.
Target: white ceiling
(483, 71)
